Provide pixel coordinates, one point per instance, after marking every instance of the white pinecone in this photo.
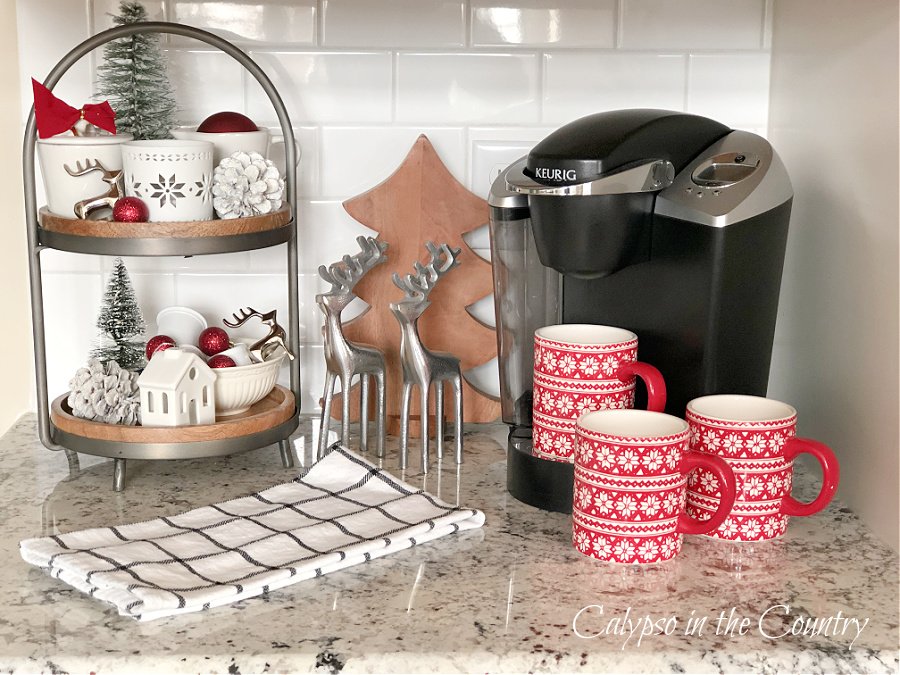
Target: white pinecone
(246, 184)
(106, 394)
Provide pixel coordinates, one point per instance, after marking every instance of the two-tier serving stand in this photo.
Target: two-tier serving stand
(270, 421)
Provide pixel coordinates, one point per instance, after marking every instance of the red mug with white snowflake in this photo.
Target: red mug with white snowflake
(579, 368)
(757, 437)
(631, 474)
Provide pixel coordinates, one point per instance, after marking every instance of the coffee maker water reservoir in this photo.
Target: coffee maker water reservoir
(670, 225)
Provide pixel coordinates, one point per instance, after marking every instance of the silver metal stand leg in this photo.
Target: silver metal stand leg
(72, 458)
(380, 422)
(404, 425)
(439, 417)
(458, 404)
(118, 474)
(287, 457)
(364, 412)
(426, 441)
(326, 413)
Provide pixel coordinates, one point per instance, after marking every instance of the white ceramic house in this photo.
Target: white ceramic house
(177, 389)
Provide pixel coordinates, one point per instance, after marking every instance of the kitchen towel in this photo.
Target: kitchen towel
(341, 512)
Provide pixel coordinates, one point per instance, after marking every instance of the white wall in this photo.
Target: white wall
(15, 338)
(483, 79)
(834, 120)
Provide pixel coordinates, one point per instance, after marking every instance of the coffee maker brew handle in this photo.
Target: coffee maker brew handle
(831, 474)
(653, 380)
(727, 488)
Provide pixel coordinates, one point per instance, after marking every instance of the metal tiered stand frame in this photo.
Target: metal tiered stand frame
(120, 442)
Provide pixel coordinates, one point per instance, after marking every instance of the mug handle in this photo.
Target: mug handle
(653, 380)
(831, 474)
(719, 467)
(281, 142)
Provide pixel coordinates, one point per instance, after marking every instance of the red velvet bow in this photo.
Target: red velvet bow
(55, 116)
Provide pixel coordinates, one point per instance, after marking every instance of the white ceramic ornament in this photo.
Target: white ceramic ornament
(246, 184)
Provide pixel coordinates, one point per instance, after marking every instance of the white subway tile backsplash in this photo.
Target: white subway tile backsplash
(326, 233)
(283, 22)
(205, 82)
(471, 87)
(356, 159)
(61, 261)
(324, 87)
(234, 263)
(538, 23)
(732, 88)
(581, 83)
(692, 24)
(397, 24)
(71, 303)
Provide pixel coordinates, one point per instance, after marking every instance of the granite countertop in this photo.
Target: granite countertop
(513, 596)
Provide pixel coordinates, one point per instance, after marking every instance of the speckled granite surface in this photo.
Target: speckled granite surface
(500, 599)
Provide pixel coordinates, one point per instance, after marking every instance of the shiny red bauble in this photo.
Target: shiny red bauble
(130, 210)
(221, 361)
(226, 122)
(213, 340)
(158, 343)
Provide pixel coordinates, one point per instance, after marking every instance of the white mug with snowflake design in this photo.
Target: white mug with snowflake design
(629, 497)
(172, 177)
(757, 437)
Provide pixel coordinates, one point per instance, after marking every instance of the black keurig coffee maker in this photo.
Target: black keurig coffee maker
(668, 224)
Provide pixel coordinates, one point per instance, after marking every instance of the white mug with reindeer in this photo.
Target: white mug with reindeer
(65, 190)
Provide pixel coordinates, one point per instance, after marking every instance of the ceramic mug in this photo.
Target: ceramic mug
(227, 143)
(579, 368)
(173, 177)
(757, 437)
(64, 190)
(631, 474)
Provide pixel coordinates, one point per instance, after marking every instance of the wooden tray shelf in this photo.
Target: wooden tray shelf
(195, 237)
(274, 409)
(182, 229)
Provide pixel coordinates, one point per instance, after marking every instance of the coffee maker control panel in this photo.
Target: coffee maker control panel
(736, 178)
(725, 170)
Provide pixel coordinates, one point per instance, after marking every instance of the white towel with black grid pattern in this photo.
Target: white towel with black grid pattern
(341, 512)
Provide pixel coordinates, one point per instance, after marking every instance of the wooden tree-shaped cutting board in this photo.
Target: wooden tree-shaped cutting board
(420, 202)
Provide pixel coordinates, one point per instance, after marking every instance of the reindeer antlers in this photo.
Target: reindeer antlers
(346, 273)
(416, 287)
(89, 165)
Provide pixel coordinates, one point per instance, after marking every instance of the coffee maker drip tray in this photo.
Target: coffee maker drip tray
(537, 482)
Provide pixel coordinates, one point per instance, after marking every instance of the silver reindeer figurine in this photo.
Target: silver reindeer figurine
(114, 179)
(345, 359)
(263, 348)
(423, 367)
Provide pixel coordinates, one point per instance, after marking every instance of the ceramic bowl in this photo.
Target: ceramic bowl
(240, 387)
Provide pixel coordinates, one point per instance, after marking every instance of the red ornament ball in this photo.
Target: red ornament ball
(213, 340)
(221, 361)
(158, 343)
(130, 210)
(226, 122)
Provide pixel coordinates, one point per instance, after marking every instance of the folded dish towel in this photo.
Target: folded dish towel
(342, 512)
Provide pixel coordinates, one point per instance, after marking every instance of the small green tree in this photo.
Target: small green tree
(120, 322)
(134, 80)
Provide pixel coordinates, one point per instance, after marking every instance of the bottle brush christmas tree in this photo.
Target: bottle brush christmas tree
(120, 322)
(133, 78)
